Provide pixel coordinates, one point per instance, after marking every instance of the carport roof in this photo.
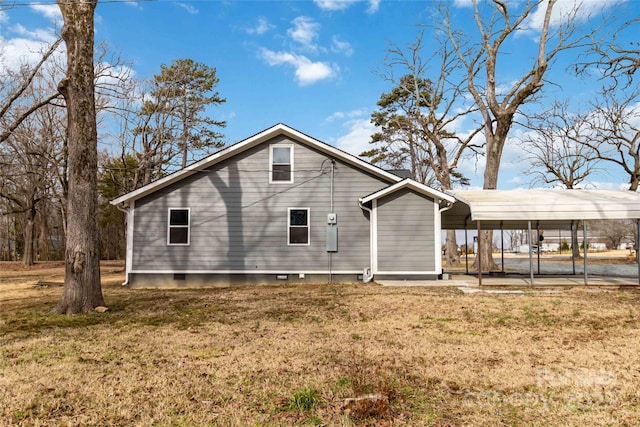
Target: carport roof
(545, 208)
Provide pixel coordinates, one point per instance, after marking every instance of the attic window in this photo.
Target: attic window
(178, 232)
(281, 163)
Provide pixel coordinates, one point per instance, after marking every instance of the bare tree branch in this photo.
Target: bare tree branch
(19, 91)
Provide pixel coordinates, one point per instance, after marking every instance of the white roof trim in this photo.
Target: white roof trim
(408, 183)
(265, 135)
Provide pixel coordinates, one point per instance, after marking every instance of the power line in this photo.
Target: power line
(52, 3)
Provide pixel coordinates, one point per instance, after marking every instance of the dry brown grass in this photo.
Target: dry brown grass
(291, 355)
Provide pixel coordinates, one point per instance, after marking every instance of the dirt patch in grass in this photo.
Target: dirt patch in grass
(319, 354)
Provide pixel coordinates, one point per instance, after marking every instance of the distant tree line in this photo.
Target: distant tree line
(147, 128)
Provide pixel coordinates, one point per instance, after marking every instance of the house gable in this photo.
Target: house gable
(279, 130)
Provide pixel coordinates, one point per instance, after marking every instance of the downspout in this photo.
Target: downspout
(126, 267)
(466, 245)
(439, 250)
(446, 208)
(362, 206)
(333, 171)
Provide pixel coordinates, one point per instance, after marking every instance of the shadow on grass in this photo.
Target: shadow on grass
(181, 309)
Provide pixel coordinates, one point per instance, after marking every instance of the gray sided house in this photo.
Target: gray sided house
(279, 207)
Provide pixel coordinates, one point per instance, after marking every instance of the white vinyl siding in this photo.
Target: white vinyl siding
(239, 222)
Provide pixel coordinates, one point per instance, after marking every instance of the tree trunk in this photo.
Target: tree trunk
(29, 225)
(575, 246)
(82, 291)
(452, 256)
(43, 248)
(495, 144)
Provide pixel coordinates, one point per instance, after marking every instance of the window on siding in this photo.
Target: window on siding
(178, 233)
(298, 226)
(281, 163)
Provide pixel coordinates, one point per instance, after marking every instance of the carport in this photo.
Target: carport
(541, 208)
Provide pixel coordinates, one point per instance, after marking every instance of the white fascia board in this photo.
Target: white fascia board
(414, 185)
(225, 153)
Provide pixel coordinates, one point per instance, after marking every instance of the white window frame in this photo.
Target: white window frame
(169, 227)
(291, 157)
(289, 226)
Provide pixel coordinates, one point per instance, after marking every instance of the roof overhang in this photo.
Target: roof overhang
(545, 208)
(267, 134)
(411, 185)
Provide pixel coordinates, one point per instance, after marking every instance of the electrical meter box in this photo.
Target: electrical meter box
(332, 232)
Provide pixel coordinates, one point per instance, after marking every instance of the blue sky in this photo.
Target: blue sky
(314, 65)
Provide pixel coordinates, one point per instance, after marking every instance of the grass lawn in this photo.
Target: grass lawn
(334, 355)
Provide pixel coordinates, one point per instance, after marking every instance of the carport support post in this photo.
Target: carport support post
(502, 246)
(466, 250)
(638, 248)
(538, 245)
(573, 258)
(479, 257)
(530, 253)
(585, 245)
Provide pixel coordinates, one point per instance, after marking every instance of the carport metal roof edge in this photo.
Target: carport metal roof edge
(549, 208)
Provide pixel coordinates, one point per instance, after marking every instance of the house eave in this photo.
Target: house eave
(411, 184)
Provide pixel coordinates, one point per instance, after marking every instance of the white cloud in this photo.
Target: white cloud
(304, 31)
(516, 180)
(374, 5)
(18, 51)
(189, 8)
(463, 3)
(339, 115)
(334, 5)
(356, 140)
(49, 11)
(261, 27)
(340, 46)
(306, 71)
(581, 10)
(39, 34)
(3, 17)
(606, 185)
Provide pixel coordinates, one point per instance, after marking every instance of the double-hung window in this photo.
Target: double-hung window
(298, 226)
(179, 227)
(281, 163)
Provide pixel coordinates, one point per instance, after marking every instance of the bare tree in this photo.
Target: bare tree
(418, 116)
(498, 101)
(615, 123)
(557, 147)
(27, 177)
(614, 231)
(559, 151)
(82, 289)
